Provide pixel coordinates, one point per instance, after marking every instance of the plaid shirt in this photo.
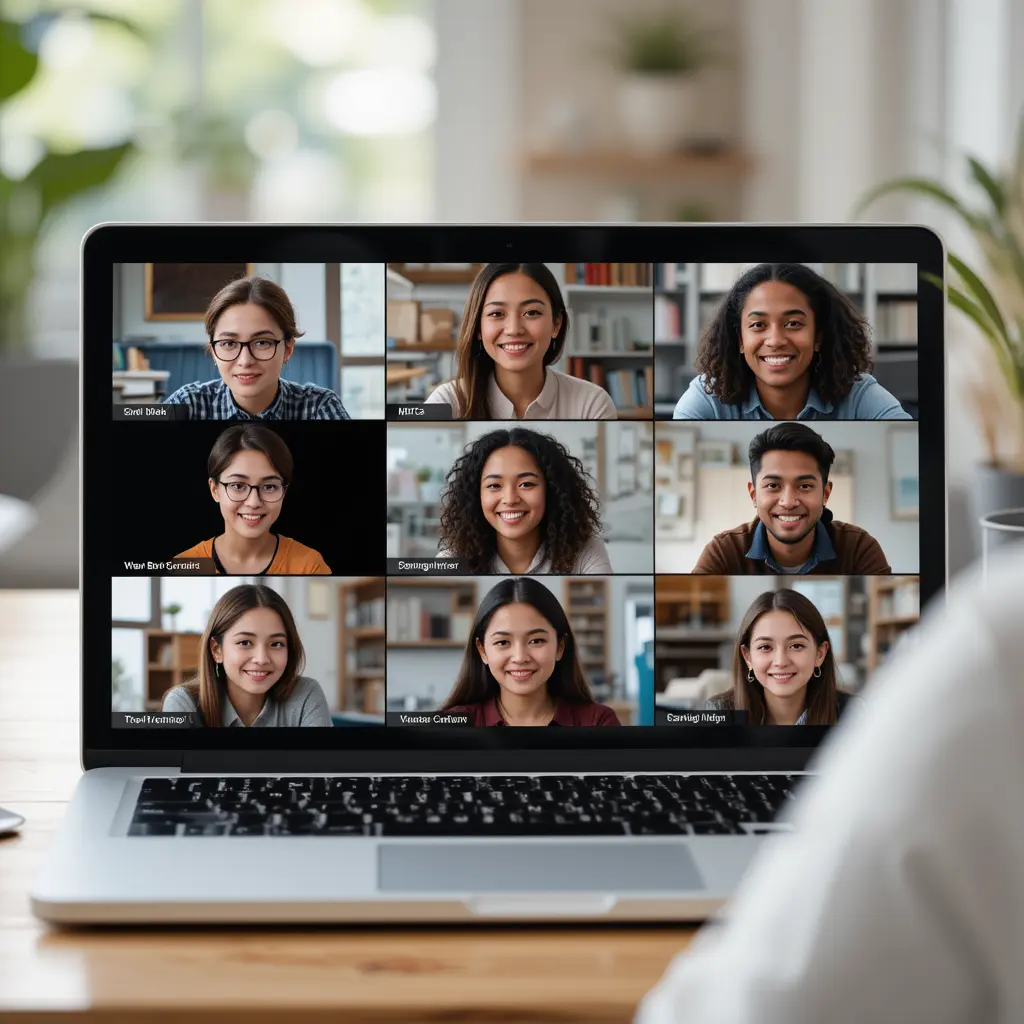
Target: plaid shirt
(212, 400)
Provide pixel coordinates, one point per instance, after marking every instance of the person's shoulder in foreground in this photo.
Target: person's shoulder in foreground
(899, 896)
(866, 400)
(212, 400)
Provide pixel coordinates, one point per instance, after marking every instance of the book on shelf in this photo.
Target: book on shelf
(671, 276)
(598, 331)
(616, 275)
(668, 325)
(409, 621)
(896, 321)
(629, 388)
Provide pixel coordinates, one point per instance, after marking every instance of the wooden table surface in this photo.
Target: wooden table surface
(300, 974)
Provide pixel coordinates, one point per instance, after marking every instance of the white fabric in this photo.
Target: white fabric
(563, 397)
(901, 895)
(593, 559)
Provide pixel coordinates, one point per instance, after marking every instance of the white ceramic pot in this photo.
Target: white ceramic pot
(656, 111)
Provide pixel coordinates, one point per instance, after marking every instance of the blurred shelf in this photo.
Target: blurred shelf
(394, 277)
(366, 632)
(896, 620)
(623, 164)
(441, 275)
(644, 412)
(609, 289)
(445, 346)
(639, 354)
(367, 673)
(426, 643)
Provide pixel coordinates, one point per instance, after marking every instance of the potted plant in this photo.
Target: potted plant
(993, 303)
(659, 58)
(172, 611)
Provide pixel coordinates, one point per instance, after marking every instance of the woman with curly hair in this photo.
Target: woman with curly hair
(517, 502)
(786, 344)
(513, 330)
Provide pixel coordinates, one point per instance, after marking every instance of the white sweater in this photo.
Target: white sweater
(901, 895)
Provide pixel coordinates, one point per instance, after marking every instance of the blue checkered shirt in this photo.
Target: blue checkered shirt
(212, 400)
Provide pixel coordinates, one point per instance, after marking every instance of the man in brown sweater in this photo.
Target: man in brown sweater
(794, 533)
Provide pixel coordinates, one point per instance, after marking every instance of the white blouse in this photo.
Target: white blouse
(593, 560)
(563, 397)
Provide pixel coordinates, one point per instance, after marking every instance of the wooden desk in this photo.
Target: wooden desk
(220, 974)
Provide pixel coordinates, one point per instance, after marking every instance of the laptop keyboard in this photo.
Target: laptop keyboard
(513, 805)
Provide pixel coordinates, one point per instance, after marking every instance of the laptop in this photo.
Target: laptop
(418, 590)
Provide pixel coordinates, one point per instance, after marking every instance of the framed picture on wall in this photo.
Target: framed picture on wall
(182, 291)
(903, 473)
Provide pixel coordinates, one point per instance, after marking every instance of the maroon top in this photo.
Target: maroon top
(565, 714)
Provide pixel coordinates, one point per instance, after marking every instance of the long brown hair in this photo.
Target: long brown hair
(821, 702)
(206, 689)
(474, 366)
(262, 292)
(475, 684)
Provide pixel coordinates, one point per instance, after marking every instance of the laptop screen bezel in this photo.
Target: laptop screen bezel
(466, 749)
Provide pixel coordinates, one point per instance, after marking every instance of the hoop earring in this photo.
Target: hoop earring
(817, 672)
(750, 675)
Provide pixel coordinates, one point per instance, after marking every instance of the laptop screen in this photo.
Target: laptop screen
(436, 501)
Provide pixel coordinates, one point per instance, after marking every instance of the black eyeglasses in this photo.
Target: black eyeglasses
(236, 490)
(228, 349)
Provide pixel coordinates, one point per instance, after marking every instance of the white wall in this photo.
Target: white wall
(899, 539)
(418, 671)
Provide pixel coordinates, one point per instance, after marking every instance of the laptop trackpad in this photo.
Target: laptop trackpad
(532, 867)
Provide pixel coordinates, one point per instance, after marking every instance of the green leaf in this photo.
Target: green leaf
(993, 188)
(919, 186)
(981, 294)
(1003, 356)
(61, 176)
(17, 65)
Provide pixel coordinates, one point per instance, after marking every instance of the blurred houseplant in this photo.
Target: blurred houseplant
(28, 204)
(659, 57)
(993, 302)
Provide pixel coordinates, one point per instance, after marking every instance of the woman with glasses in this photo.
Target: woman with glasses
(250, 468)
(251, 329)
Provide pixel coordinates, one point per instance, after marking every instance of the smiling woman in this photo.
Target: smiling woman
(520, 665)
(514, 327)
(250, 667)
(516, 501)
(785, 343)
(250, 469)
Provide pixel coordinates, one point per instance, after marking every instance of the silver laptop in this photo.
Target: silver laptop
(451, 591)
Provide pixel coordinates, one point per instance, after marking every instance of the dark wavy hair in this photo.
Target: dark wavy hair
(571, 514)
(475, 684)
(473, 365)
(845, 335)
(822, 700)
(791, 437)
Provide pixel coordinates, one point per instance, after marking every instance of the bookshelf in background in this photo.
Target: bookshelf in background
(430, 613)
(171, 659)
(361, 645)
(610, 332)
(586, 607)
(894, 606)
(691, 622)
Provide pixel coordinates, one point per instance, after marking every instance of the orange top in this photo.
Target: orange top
(292, 558)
